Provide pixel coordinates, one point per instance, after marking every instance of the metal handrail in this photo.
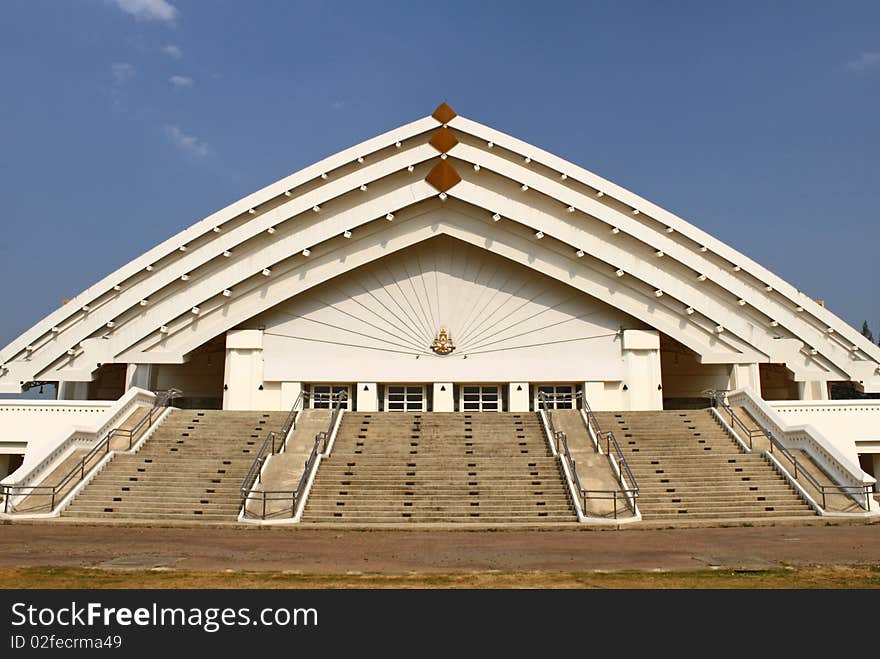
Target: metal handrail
(267, 448)
(295, 495)
(290, 422)
(611, 441)
(162, 400)
(629, 494)
(866, 490)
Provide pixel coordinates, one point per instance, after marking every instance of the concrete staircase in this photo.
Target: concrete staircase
(190, 469)
(283, 471)
(490, 468)
(688, 468)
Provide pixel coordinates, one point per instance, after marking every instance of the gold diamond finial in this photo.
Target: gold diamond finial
(443, 176)
(444, 114)
(443, 140)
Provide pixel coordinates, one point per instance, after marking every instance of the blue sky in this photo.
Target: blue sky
(124, 121)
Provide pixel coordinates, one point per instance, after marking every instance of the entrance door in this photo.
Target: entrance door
(558, 396)
(323, 395)
(405, 398)
(480, 398)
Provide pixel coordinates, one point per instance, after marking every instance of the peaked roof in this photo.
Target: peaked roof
(440, 174)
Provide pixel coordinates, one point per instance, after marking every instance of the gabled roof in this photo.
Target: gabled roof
(441, 174)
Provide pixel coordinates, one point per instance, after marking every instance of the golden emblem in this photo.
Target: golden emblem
(443, 343)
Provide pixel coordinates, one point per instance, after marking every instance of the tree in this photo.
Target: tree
(866, 332)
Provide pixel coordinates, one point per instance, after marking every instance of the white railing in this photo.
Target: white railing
(629, 488)
(848, 477)
(32, 471)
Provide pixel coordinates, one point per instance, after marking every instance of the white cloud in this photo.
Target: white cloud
(181, 81)
(867, 60)
(122, 72)
(172, 51)
(188, 143)
(148, 10)
(337, 105)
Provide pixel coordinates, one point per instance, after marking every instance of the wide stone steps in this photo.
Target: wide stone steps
(704, 504)
(689, 469)
(711, 471)
(437, 480)
(159, 497)
(195, 508)
(370, 519)
(718, 515)
(703, 489)
(439, 468)
(161, 515)
(191, 469)
(451, 495)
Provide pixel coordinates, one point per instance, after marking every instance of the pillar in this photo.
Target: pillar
(594, 394)
(367, 397)
(444, 398)
(68, 390)
(290, 391)
(641, 357)
(518, 397)
(745, 375)
(244, 370)
(139, 375)
(812, 390)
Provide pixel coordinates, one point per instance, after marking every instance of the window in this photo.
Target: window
(321, 397)
(480, 398)
(558, 396)
(405, 398)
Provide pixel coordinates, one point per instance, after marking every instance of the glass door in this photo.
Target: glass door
(405, 398)
(480, 398)
(323, 395)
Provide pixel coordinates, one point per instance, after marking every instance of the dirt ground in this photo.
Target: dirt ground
(788, 578)
(98, 555)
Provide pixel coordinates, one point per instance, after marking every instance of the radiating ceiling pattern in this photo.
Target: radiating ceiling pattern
(484, 302)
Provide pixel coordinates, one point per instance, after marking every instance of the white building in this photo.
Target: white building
(353, 273)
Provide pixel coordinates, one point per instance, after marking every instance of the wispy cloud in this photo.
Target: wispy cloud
(148, 10)
(190, 144)
(865, 61)
(122, 72)
(337, 105)
(181, 81)
(172, 51)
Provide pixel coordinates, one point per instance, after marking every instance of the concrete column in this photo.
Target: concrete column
(594, 393)
(73, 390)
(244, 370)
(139, 375)
(813, 390)
(745, 375)
(518, 397)
(367, 397)
(641, 356)
(444, 399)
(289, 393)
(269, 397)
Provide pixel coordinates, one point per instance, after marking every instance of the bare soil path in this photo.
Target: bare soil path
(337, 551)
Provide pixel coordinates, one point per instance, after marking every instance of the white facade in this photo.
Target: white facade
(346, 272)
